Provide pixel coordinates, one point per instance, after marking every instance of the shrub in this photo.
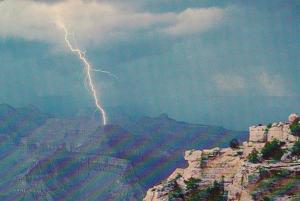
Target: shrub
(234, 144)
(192, 184)
(216, 192)
(266, 199)
(295, 128)
(253, 157)
(296, 149)
(282, 173)
(268, 128)
(177, 176)
(263, 172)
(176, 192)
(272, 150)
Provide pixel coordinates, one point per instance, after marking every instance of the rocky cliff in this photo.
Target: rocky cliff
(229, 174)
(76, 176)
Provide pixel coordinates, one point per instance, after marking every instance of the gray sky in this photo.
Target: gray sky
(230, 63)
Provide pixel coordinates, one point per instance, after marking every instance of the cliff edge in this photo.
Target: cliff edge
(266, 167)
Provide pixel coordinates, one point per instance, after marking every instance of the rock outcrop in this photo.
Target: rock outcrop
(280, 131)
(241, 179)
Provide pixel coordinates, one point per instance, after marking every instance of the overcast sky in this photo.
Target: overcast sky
(225, 62)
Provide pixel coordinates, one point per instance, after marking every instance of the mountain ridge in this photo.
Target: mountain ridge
(153, 145)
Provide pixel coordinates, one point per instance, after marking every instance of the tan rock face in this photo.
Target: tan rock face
(257, 134)
(161, 191)
(207, 165)
(280, 131)
(293, 117)
(223, 166)
(194, 164)
(178, 171)
(230, 165)
(240, 177)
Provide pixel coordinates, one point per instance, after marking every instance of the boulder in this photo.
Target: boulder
(194, 159)
(293, 117)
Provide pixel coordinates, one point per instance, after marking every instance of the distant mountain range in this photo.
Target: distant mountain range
(151, 148)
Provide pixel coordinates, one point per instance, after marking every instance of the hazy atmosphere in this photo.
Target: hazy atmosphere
(228, 63)
(153, 100)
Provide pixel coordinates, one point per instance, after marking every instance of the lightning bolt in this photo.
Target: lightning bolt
(106, 72)
(88, 70)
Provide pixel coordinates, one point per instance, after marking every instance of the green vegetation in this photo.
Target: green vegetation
(253, 157)
(234, 144)
(296, 149)
(177, 176)
(263, 172)
(266, 199)
(272, 150)
(215, 192)
(276, 184)
(282, 173)
(268, 128)
(192, 184)
(176, 192)
(295, 128)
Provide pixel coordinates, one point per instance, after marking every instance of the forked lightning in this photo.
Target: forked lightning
(88, 70)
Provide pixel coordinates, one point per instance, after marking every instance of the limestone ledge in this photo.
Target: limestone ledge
(207, 165)
(214, 164)
(230, 165)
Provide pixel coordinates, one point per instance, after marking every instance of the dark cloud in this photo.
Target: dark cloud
(258, 46)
